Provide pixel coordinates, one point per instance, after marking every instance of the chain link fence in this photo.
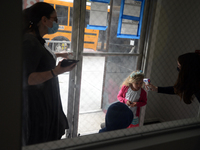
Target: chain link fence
(106, 60)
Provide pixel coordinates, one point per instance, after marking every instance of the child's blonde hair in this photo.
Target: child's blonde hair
(133, 77)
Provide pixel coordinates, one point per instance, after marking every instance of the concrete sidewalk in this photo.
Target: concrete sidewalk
(91, 115)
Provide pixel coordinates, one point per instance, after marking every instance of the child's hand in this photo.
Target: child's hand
(128, 103)
(133, 104)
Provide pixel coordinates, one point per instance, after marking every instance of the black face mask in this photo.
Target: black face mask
(178, 69)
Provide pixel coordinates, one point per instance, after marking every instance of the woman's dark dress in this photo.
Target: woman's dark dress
(43, 116)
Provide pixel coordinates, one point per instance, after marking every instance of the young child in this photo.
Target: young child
(133, 95)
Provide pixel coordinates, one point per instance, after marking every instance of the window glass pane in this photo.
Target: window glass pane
(106, 61)
(62, 13)
(71, 16)
(87, 17)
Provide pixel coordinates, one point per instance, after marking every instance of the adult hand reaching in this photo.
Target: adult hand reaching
(151, 87)
(67, 55)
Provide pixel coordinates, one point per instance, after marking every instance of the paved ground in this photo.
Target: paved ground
(90, 116)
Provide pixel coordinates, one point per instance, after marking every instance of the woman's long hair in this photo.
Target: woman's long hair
(188, 82)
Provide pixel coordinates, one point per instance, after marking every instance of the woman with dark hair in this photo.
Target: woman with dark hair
(43, 116)
(188, 82)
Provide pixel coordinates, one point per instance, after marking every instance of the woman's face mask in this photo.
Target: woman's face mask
(54, 29)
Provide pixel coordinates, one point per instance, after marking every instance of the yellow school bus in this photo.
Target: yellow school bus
(64, 14)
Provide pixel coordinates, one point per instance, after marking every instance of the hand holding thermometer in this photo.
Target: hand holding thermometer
(147, 82)
(68, 62)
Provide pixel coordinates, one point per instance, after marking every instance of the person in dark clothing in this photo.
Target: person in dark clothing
(188, 81)
(43, 116)
(118, 116)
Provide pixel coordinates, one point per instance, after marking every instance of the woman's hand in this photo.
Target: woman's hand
(67, 55)
(151, 87)
(59, 70)
(40, 77)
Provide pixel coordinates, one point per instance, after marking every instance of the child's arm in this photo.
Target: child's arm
(121, 94)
